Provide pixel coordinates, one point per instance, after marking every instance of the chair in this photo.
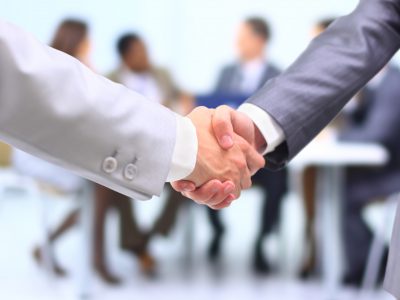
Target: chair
(380, 217)
(40, 181)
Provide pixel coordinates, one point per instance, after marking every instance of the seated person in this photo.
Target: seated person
(244, 77)
(375, 121)
(137, 73)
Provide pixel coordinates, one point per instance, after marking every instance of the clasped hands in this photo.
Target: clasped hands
(229, 147)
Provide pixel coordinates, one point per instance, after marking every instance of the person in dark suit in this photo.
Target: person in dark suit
(244, 77)
(375, 120)
(290, 110)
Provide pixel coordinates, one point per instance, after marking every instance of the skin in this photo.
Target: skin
(226, 124)
(137, 58)
(249, 45)
(84, 50)
(230, 167)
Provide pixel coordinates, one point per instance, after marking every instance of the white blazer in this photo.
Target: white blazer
(55, 108)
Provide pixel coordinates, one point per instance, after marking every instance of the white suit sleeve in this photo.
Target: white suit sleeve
(185, 152)
(54, 107)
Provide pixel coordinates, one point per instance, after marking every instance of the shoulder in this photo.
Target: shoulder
(114, 75)
(274, 70)
(160, 72)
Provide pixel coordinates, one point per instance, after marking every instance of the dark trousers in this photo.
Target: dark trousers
(274, 185)
(363, 185)
(132, 236)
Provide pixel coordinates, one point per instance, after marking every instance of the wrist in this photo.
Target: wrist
(259, 141)
(184, 156)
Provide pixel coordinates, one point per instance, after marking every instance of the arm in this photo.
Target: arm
(299, 103)
(55, 108)
(305, 98)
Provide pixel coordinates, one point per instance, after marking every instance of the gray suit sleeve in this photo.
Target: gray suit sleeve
(57, 109)
(305, 98)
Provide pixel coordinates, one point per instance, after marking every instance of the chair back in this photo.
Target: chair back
(5, 155)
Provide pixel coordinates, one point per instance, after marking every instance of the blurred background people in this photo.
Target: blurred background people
(72, 37)
(244, 77)
(139, 74)
(191, 39)
(375, 120)
(309, 183)
(369, 118)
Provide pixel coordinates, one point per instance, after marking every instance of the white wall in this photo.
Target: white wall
(194, 38)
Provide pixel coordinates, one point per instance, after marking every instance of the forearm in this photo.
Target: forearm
(305, 98)
(55, 108)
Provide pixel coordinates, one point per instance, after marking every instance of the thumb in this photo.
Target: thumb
(222, 126)
(183, 186)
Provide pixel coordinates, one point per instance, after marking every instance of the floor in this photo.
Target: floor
(182, 275)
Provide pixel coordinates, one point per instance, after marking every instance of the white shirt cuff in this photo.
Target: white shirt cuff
(268, 127)
(184, 156)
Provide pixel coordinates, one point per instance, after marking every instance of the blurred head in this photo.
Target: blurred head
(253, 37)
(72, 37)
(321, 26)
(133, 52)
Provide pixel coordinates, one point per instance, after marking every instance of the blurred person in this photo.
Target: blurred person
(309, 186)
(72, 37)
(371, 122)
(138, 73)
(59, 110)
(291, 110)
(249, 73)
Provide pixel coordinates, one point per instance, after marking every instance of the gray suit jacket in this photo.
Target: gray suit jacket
(305, 98)
(57, 109)
(337, 64)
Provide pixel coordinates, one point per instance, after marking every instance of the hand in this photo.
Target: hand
(227, 124)
(233, 166)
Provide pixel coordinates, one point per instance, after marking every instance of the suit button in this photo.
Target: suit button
(110, 165)
(130, 172)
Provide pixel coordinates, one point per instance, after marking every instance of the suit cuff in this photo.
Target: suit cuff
(269, 128)
(184, 156)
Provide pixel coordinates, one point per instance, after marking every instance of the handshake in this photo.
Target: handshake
(229, 147)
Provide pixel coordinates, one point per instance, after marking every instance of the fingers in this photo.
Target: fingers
(245, 182)
(183, 186)
(255, 161)
(211, 193)
(222, 126)
(222, 194)
(225, 203)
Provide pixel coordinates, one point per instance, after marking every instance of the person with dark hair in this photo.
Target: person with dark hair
(139, 74)
(244, 77)
(72, 37)
(260, 27)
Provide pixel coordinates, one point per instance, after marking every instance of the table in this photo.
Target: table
(331, 158)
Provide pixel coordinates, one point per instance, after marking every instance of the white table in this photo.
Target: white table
(330, 159)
